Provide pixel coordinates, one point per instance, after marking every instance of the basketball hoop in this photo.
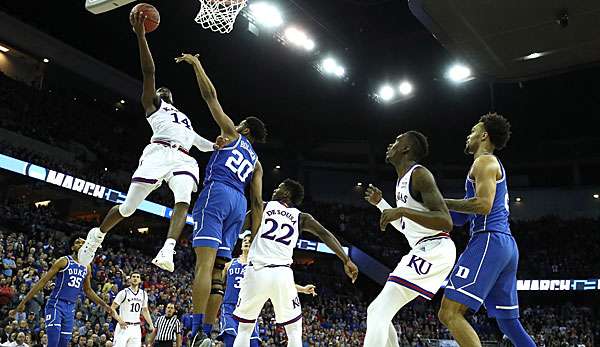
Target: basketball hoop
(219, 15)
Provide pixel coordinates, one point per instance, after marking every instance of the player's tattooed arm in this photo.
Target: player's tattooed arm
(147, 64)
(91, 294)
(209, 94)
(56, 267)
(309, 289)
(256, 202)
(485, 173)
(310, 224)
(437, 218)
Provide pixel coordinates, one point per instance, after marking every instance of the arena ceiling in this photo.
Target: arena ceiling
(377, 41)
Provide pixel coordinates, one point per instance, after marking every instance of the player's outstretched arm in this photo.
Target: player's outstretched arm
(437, 218)
(56, 267)
(310, 224)
(91, 294)
(485, 170)
(256, 202)
(149, 88)
(309, 289)
(209, 94)
(374, 196)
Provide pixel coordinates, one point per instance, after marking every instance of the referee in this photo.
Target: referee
(168, 329)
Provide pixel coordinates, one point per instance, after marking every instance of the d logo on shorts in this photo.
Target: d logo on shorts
(420, 265)
(462, 272)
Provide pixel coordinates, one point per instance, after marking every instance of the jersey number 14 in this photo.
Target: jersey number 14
(238, 165)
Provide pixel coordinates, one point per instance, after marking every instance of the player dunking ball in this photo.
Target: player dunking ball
(486, 272)
(269, 276)
(422, 216)
(131, 301)
(166, 158)
(234, 274)
(220, 209)
(70, 278)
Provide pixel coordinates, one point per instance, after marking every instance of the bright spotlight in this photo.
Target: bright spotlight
(386, 93)
(596, 196)
(534, 55)
(405, 88)
(518, 199)
(309, 45)
(266, 14)
(122, 101)
(46, 60)
(339, 71)
(4, 49)
(459, 73)
(329, 65)
(278, 167)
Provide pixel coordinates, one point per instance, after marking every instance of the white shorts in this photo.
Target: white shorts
(128, 337)
(258, 286)
(425, 267)
(160, 163)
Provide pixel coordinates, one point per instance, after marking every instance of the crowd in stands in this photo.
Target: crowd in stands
(32, 238)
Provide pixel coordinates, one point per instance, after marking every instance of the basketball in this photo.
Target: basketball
(151, 13)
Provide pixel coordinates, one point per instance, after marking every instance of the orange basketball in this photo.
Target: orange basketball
(151, 13)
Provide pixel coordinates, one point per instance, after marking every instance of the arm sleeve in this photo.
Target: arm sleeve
(203, 144)
(383, 205)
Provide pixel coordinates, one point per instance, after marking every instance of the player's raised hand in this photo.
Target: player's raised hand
(137, 21)
(309, 289)
(351, 270)
(220, 142)
(373, 195)
(188, 58)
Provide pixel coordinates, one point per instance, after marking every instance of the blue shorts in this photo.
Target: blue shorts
(486, 274)
(219, 215)
(229, 326)
(59, 322)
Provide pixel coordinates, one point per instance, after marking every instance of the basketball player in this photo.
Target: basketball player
(234, 273)
(486, 272)
(220, 209)
(70, 276)
(131, 301)
(166, 158)
(422, 216)
(268, 274)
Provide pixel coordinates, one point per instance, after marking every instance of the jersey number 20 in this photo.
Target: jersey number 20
(238, 165)
(272, 233)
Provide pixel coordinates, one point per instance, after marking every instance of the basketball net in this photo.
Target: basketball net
(219, 15)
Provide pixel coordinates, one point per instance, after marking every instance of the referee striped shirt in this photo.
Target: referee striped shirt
(167, 328)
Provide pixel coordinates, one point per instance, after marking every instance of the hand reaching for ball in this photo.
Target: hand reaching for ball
(137, 21)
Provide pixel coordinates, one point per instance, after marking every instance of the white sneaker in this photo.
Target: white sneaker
(164, 260)
(87, 252)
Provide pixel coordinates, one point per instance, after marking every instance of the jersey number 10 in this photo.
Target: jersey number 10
(238, 165)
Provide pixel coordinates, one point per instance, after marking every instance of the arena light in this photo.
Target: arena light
(122, 101)
(46, 60)
(298, 38)
(277, 167)
(143, 230)
(339, 71)
(266, 14)
(359, 184)
(331, 67)
(596, 196)
(386, 92)
(518, 199)
(459, 73)
(405, 88)
(42, 203)
(4, 49)
(533, 55)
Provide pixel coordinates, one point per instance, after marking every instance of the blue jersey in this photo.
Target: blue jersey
(235, 273)
(497, 219)
(69, 281)
(232, 165)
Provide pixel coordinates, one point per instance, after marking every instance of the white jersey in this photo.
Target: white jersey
(131, 304)
(278, 234)
(413, 231)
(171, 125)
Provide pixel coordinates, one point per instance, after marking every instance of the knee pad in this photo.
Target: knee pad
(182, 187)
(125, 210)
